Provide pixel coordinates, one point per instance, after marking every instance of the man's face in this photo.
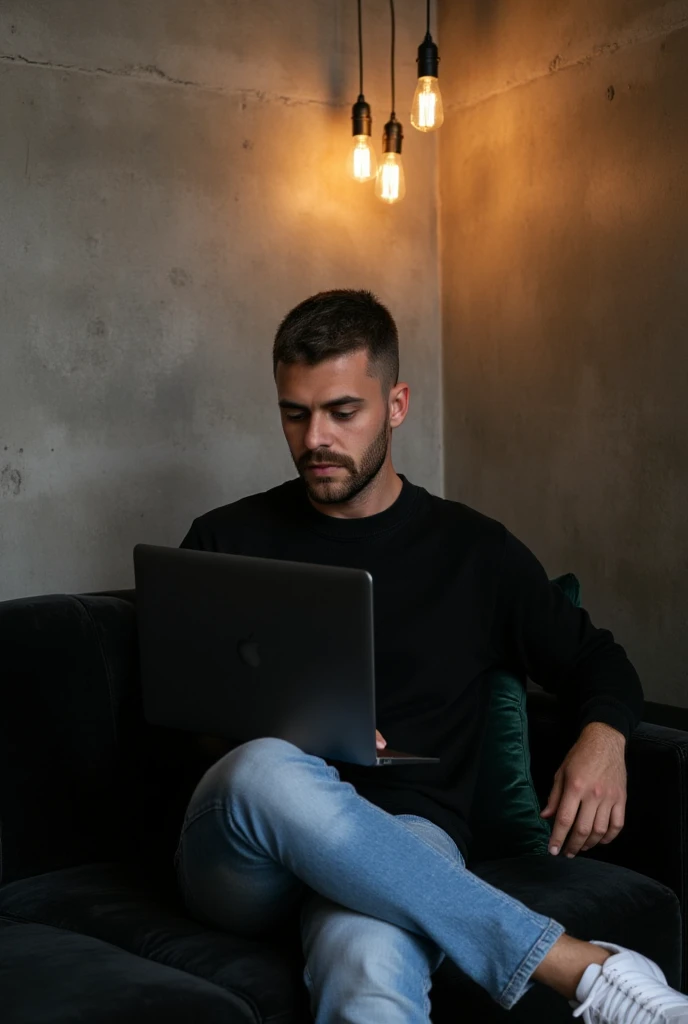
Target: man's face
(351, 436)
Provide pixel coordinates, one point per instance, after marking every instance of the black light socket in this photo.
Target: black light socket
(392, 137)
(428, 58)
(361, 118)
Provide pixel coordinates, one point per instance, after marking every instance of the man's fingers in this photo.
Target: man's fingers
(554, 798)
(566, 815)
(616, 822)
(589, 828)
(380, 740)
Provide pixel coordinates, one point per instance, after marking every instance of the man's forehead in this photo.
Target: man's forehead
(343, 363)
(330, 379)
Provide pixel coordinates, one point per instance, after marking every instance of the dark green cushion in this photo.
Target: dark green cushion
(505, 816)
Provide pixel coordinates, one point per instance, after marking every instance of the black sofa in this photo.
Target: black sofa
(91, 797)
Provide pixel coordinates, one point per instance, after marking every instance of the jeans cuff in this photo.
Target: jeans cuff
(520, 982)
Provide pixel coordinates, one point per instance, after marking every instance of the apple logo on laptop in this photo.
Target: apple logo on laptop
(248, 651)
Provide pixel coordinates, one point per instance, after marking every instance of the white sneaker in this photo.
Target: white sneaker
(627, 988)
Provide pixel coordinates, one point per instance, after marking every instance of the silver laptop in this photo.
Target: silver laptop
(243, 647)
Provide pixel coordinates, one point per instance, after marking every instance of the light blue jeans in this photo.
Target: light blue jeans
(271, 831)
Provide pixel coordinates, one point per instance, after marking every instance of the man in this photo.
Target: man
(374, 858)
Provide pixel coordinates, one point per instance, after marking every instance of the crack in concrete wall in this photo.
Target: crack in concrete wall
(152, 73)
(561, 63)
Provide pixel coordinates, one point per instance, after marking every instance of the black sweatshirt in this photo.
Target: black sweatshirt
(454, 595)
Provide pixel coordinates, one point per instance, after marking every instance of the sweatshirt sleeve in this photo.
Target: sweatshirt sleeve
(540, 633)
(210, 532)
(194, 538)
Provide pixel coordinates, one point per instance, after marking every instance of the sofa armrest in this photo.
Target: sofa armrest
(654, 840)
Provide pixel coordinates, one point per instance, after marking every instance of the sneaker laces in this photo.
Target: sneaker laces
(612, 992)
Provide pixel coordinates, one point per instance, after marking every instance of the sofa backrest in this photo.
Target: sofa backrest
(66, 691)
(83, 777)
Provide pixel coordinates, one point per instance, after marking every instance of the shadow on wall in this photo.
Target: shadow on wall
(484, 14)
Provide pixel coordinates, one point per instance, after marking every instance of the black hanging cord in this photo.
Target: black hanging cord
(428, 57)
(394, 133)
(360, 52)
(391, 7)
(360, 112)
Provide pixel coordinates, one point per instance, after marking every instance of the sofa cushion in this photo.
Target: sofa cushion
(48, 975)
(141, 913)
(505, 814)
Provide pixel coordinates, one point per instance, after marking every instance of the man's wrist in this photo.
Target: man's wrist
(603, 729)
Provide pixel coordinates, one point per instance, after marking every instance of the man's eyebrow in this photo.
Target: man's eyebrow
(284, 403)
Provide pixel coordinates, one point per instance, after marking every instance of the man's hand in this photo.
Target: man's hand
(589, 791)
(380, 741)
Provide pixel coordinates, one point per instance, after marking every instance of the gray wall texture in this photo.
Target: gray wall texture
(172, 181)
(564, 267)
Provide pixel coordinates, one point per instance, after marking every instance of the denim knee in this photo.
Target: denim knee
(248, 772)
(257, 759)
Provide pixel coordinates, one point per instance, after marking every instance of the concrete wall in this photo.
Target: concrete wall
(171, 183)
(564, 262)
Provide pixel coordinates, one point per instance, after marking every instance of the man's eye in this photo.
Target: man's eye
(337, 415)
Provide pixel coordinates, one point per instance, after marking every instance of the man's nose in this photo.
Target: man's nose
(316, 435)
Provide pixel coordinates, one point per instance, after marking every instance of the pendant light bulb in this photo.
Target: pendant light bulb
(361, 164)
(390, 184)
(362, 161)
(427, 113)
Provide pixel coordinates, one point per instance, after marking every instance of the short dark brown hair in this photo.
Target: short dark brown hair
(332, 323)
